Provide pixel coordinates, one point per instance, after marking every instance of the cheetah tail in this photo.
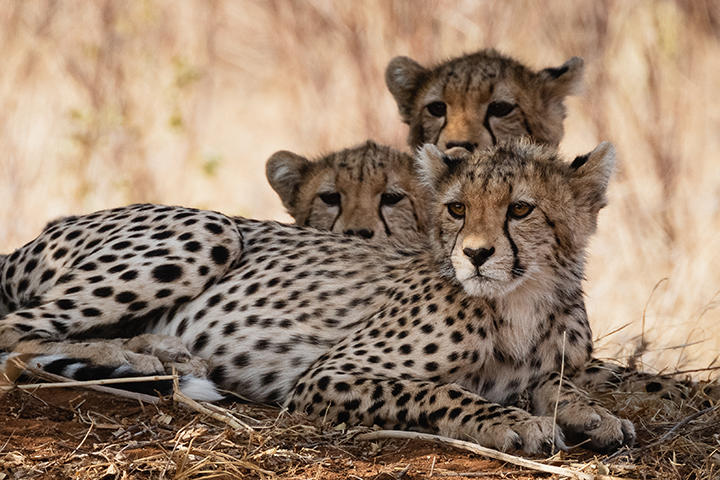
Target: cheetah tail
(194, 387)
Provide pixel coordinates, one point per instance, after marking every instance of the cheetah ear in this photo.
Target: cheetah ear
(563, 80)
(590, 174)
(432, 164)
(285, 171)
(403, 77)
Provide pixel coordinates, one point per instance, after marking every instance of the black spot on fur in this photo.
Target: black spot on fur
(65, 304)
(167, 273)
(220, 254)
(213, 228)
(200, 342)
(241, 360)
(125, 297)
(129, 275)
(653, 387)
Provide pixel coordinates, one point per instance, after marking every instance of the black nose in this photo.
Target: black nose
(364, 233)
(478, 256)
(470, 147)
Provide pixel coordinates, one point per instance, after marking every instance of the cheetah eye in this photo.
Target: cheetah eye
(437, 109)
(519, 210)
(391, 198)
(330, 198)
(500, 109)
(456, 209)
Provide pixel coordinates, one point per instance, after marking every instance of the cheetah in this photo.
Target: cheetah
(369, 190)
(477, 100)
(464, 336)
(374, 191)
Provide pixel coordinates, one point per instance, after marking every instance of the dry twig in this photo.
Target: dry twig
(484, 451)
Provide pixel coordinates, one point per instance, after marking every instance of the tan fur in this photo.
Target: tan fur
(363, 179)
(468, 86)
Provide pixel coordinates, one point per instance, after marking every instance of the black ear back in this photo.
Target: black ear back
(556, 72)
(579, 161)
(563, 80)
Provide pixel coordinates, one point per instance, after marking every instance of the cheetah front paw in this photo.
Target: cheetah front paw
(532, 434)
(166, 348)
(605, 432)
(195, 366)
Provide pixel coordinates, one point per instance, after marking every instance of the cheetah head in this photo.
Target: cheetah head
(370, 191)
(514, 216)
(478, 100)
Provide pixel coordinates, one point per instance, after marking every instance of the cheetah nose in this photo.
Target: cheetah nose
(364, 233)
(478, 256)
(469, 146)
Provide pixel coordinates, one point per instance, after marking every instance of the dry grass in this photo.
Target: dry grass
(92, 435)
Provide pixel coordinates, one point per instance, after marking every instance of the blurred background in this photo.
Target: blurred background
(113, 102)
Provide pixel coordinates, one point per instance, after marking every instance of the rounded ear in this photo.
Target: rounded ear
(591, 173)
(285, 171)
(432, 164)
(563, 80)
(403, 77)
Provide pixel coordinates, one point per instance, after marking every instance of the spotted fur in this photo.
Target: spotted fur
(369, 191)
(480, 99)
(432, 338)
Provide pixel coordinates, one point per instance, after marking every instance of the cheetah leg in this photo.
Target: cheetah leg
(424, 406)
(579, 416)
(147, 354)
(96, 354)
(598, 376)
(170, 351)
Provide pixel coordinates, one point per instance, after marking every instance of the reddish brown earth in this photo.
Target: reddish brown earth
(65, 433)
(58, 433)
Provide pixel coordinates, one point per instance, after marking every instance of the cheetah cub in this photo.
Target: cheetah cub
(480, 99)
(444, 339)
(369, 190)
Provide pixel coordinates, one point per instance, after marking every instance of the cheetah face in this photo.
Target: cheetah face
(370, 191)
(481, 99)
(509, 218)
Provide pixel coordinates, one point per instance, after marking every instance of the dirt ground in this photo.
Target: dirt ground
(55, 433)
(65, 433)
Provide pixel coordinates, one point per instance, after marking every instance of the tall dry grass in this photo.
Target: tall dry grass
(107, 103)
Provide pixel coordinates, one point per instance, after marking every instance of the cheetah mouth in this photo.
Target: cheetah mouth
(482, 278)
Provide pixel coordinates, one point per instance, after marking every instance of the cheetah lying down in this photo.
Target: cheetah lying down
(448, 337)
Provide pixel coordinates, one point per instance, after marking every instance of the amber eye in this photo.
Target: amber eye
(391, 198)
(330, 198)
(500, 109)
(456, 209)
(520, 209)
(437, 109)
